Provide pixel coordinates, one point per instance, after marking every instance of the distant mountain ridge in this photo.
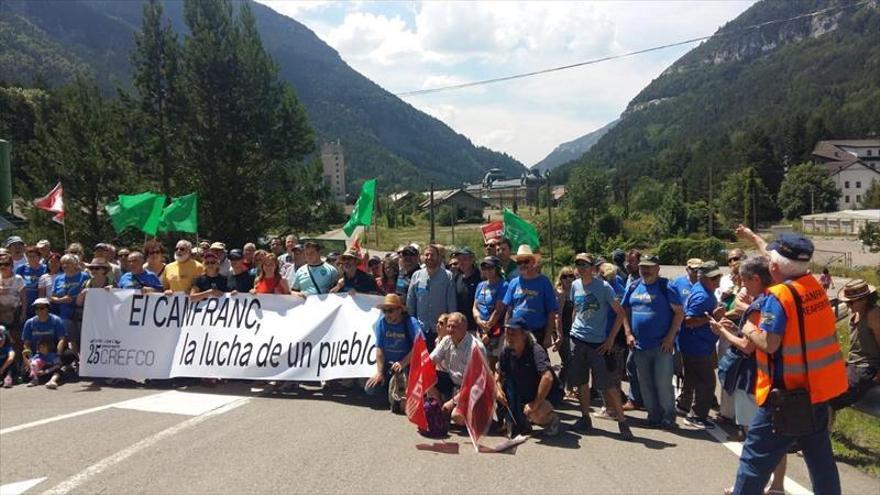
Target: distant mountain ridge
(382, 135)
(574, 149)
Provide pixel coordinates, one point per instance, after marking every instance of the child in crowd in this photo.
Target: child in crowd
(7, 358)
(43, 363)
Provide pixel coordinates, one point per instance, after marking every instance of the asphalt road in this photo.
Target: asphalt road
(84, 438)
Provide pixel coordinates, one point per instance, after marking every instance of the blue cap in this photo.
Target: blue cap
(517, 322)
(792, 246)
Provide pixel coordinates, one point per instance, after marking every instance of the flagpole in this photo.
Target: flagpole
(64, 222)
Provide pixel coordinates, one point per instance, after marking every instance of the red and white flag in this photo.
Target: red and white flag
(476, 399)
(422, 376)
(53, 203)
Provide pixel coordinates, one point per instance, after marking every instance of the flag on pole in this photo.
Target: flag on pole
(476, 399)
(422, 376)
(363, 209)
(182, 215)
(518, 231)
(53, 203)
(143, 211)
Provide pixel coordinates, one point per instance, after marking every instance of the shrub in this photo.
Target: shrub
(676, 250)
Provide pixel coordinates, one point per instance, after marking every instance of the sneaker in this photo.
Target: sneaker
(699, 423)
(625, 433)
(52, 384)
(603, 414)
(7, 382)
(583, 425)
(552, 429)
(34, 382)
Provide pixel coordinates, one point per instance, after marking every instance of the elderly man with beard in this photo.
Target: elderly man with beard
(353, 280)
(431, 293)
(180, 275)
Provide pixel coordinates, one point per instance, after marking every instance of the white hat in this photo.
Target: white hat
(525, 251)
(40, 301)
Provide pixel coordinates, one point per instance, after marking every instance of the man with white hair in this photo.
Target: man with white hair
(799, 370)
(180, 275)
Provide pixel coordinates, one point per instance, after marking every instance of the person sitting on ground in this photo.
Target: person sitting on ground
(48, 328)
(353, 280)
(526, 387)
(137, 277)
(212, 283)
(44, 363)
(395, 331)
(452, 354)
(315, 277)
(241, 279)
(179, 275)
(7, 358)
(863, 360)
(269, 279)
(488, 307)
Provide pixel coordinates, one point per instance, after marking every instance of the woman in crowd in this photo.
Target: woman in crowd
(563, 293)
(12, 300)
(737, 367)
(390, 272)
(155, 253)
(269, 279)
(65, 290)
(53, 266)
(488, 308)
(31, 273)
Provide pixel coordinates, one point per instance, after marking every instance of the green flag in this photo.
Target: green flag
(143, 211)
(518, 231)
(182, 215)
(363, 209)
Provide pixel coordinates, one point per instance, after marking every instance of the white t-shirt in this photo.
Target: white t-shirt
(10, 291)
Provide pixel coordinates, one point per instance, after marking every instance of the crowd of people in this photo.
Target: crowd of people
(764, 328)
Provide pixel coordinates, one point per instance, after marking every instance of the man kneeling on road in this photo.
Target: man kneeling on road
(395, 332)
(527, 386)
(452, 354)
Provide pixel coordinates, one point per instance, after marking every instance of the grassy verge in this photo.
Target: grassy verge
(855, 436)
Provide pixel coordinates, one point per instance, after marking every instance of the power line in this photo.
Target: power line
(420, 92)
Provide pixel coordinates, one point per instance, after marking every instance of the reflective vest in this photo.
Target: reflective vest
(827, 375)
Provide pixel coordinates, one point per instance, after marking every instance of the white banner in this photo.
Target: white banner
(126, 334)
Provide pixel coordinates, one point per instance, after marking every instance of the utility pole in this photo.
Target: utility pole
(550, 224)
(710, 199)
(812, 200)
(433, 239)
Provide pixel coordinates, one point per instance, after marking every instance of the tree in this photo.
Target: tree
(743, 198)
(244, 129)
(807, 188)
(672, 214)
(161, 104)
(871, 199)
(870, 237)
(587, 197)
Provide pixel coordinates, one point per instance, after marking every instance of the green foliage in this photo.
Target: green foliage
(806, 187)
(586, 198)
(871, 199)
(671, 214)
(646, 195)
(743, 198)
(676, 251)
(870, 237)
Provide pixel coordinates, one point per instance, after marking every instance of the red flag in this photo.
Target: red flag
(422, 376)
(476, 399)
(493, 230)
(53, 203)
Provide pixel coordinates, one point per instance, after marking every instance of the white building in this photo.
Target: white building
(840, 222)
(853, 165)
(334, 168)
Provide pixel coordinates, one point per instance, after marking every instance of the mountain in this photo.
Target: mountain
(572, 150)
(382, 135)
(757, 93)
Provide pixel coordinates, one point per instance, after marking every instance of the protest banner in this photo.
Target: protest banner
(127, 334)
(492, 230)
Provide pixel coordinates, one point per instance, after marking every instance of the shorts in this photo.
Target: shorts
(586, 359)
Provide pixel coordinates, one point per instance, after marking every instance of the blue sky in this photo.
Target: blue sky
(405, 46)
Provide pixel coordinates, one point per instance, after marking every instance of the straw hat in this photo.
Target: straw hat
(855, 289)
(391, 301)
(98, 263)
(525, 251)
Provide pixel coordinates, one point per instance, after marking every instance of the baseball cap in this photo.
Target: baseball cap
(235, 255)
(516, 323)
(374, 260)
(709, 269)
(40, 301)
(463, 250)
(492, 261)
(694, 263)
(13, 239)
(586, 257)
(792, 246)
(648, 259)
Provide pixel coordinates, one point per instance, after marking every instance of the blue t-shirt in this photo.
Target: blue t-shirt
(31, 278)
(651, 312)
(619, 291)
(683, 286)
(144, 279)
(68, 286)
(698, 341)
(487, 296)
(36, 331)
(532, 300)
(773, 320)
(591, 305)
(393, 340)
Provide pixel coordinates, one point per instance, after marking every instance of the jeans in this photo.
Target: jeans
(698, 390)
(763, 449)
(635, 391)
(655, 379)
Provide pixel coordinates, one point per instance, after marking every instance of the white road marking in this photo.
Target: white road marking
(172, 402)
(791, 486)
(20, 487)
(75, 481)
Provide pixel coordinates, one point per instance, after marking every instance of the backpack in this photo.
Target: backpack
(438, 426)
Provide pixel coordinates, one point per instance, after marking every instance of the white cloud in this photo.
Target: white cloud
(409, 46)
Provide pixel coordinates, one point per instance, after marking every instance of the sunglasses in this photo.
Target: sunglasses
(733, 258)
(181, 249)
(567, 277)
(388, 311)
(582, 264)
(523, 262)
